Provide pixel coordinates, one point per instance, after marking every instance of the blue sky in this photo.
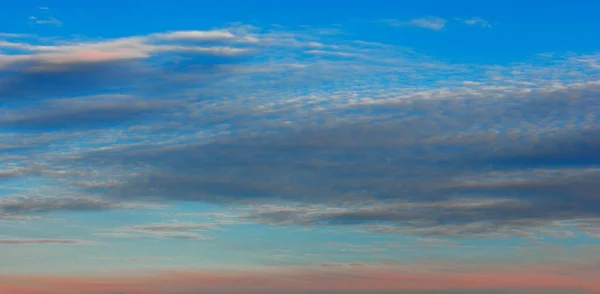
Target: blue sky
(388, 145)
(536, 26)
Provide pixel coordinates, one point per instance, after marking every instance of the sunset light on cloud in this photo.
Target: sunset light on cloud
(184, 147)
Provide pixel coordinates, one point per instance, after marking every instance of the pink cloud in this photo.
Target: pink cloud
(49, 56)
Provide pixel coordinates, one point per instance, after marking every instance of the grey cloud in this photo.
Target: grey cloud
(424, 152)
(140, 259)
(72, 79)
(174, 230)
(473, 219)
(60, 94)
(369, 250)
(119, 65)
(430, 147)
(11, 207)
(13, 173)
(172, 227)
(85, 112)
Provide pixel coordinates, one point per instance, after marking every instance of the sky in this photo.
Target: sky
(413, 147)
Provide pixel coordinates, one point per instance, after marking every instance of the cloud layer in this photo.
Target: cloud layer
(329, 132)
(444, 166)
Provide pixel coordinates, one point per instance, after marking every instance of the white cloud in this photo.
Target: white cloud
(430, 22)
(438, 23)
(476, 21)
(331, 53)
(196, 35)
(49, 21)
(12, 35)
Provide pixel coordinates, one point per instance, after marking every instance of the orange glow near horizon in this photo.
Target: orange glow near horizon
(348, 278)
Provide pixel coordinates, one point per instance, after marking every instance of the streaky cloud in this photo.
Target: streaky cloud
(43, 241)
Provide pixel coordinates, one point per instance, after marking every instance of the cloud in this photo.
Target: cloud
(90, 67)
(43, 241)
(395, 142)
(50, 85)
(82, 112)
(175, 230)
(171, 227)
(429, 243)
(438, 23)
(49, 57)
(13, 35)
(414, 217)
(478, 21)
(369, 250)
(429, 22)
(332, 53)
(196, 35)
(49, 21)
(15, 172)
(134, 259)
(148, 258)
(435, 173)
(75, 79)
(17, 207)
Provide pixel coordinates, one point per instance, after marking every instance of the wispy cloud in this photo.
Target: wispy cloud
(438, 23)
(475, 21)
(81, 112)
(175, 230)
(44, 241)
(133, 259)
(23, 205)
(429, 22)
(45, 19)
(128, 48)
(13, 35)
(197, 35)
(367, 250)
